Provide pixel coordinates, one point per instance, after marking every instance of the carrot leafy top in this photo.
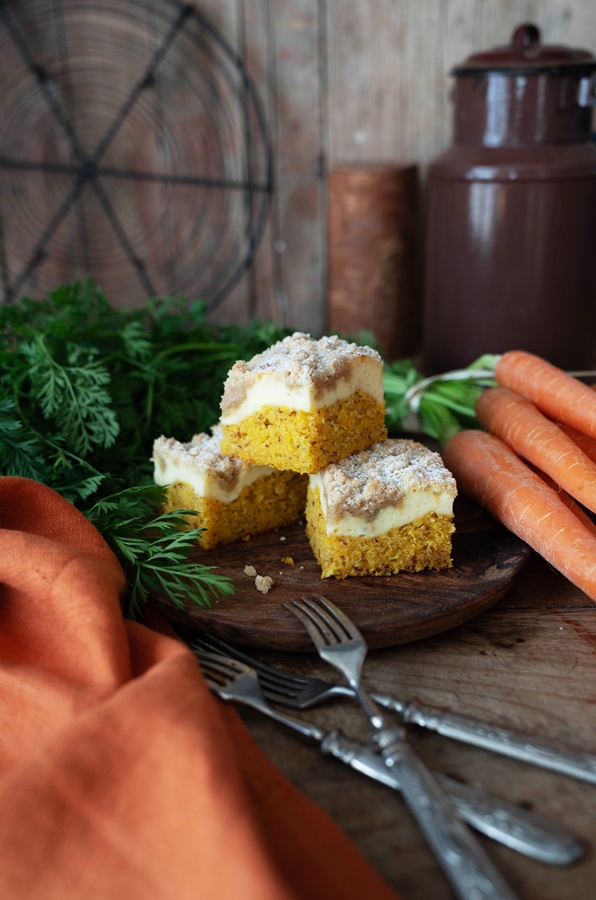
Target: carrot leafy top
(85, 389)
(437, 406)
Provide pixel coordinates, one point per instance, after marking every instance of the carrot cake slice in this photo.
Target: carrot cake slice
(304, 403)
(231, 498)
(383, 510)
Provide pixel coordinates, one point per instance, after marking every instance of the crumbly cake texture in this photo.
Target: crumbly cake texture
(305, 439)
(271, 501)
(383, 478)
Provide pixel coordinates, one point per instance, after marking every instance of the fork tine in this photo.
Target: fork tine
(222, 672)
(277, 690)
(231, 678)
(322, 628)
(279, 685)
(320, 633)
(274, 694)
(329, 614)
(214, 666)
(340, 617)
(241, 685)
(226, 670)
(286, 684)
(335, 644)
(324, 616)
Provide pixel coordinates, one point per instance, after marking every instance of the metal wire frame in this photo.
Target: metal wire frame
(88, 168)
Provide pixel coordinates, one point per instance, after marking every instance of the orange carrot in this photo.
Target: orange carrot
(557, 394)
(585, 443)
(565, 498)
(531, 435)
(489, 472)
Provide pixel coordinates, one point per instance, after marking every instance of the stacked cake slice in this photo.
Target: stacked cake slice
(304, 403)
(384, 510)
(231, 499)
(314, 408)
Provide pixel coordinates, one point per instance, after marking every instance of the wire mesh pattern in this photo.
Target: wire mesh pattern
(133, 148)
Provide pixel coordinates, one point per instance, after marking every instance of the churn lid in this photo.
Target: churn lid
(526, 54)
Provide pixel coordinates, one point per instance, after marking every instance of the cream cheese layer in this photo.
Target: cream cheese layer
(416, 505)
(386, 486)
(200, 465)
(303, 374)
(271, 389)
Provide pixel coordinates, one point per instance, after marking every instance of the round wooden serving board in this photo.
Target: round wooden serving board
(388, 610)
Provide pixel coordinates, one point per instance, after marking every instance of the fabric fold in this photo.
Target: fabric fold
(121, 776)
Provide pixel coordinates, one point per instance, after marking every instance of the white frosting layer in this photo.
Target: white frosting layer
(175, 462)
(415, 505)
(271, 389)
(386, 486)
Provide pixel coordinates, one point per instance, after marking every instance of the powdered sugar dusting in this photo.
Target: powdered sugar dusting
(367, 482)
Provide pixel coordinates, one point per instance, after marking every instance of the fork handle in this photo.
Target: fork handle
(519, 829)
(466, 865)
(550, 754)
(306, 729)
(372, 709)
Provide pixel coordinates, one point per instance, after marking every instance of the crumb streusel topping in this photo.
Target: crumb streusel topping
(203, 455)
(297, 360)
(382, 476)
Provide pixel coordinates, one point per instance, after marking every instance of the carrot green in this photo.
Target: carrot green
(84, 391)
(437, 406)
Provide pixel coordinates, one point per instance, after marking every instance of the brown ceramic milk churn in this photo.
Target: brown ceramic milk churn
(510, 250)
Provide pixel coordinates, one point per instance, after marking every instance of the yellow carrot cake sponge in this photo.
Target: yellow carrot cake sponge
(381, 511)
(304, 403)
(232, 499)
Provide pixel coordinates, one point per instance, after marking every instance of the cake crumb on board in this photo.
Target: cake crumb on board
(263, 583)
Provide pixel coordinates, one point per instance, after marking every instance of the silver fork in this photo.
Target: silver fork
(469, 870)
(305, 691)
(339, 643)
(516, 828)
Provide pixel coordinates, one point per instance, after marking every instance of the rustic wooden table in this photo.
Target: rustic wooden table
(528, 662)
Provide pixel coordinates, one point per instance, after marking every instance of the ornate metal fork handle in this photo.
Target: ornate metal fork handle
(520, 830)
(550, 754)
(303, 692)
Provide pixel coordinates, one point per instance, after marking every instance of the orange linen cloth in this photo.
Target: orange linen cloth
(121, 776)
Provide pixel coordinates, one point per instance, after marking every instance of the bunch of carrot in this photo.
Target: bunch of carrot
(534, 465)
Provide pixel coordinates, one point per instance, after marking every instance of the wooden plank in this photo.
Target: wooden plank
(259, 50)
(389, 66)
(301, 223)
(226, 16)
(280, 46)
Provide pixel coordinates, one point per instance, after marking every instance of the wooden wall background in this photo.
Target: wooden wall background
(357, 80)
(341, 81)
